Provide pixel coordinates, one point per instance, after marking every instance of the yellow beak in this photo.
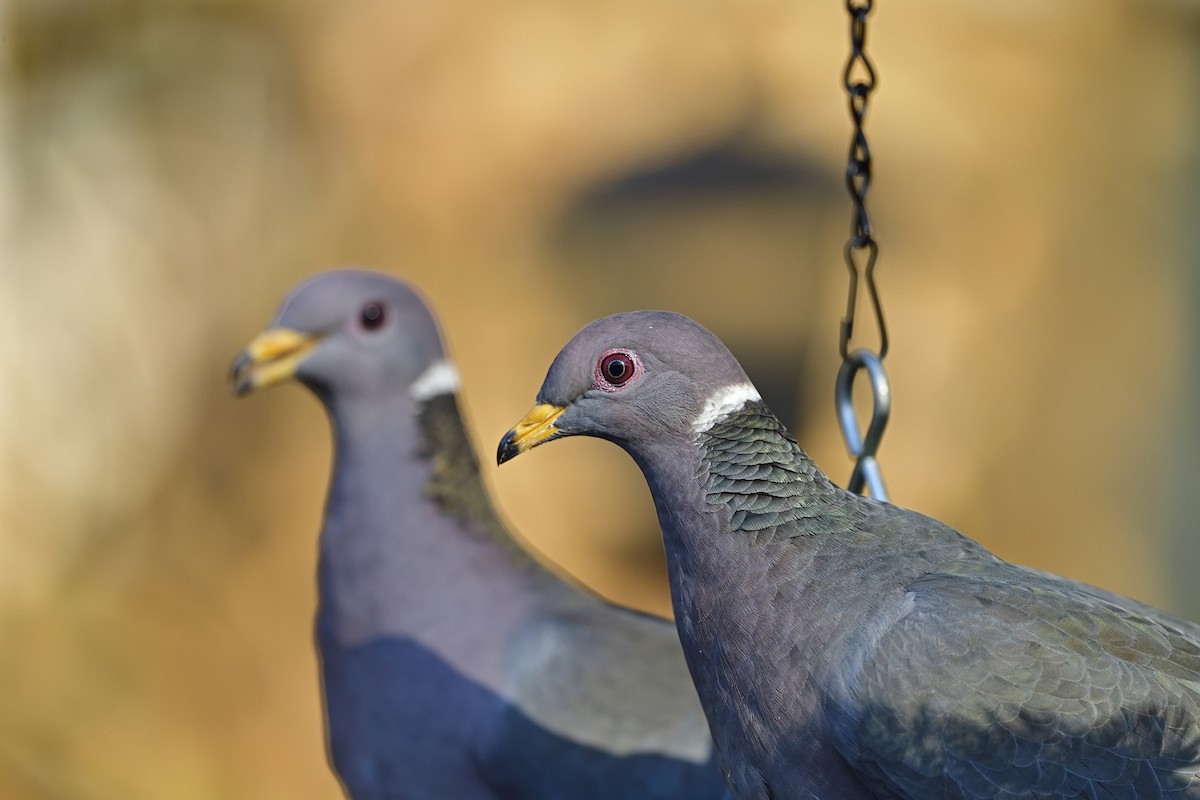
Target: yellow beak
(271, 358)
(536, 427)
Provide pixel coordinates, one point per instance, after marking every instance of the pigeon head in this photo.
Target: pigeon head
(635, 379)
(345, 333)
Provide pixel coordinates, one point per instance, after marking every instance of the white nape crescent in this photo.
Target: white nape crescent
(440, 378)
(722, 403)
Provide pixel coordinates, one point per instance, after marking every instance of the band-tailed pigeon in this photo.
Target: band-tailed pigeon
(454, 666)
(845, 648)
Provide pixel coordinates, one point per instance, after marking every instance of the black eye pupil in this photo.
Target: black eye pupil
(372, 316)
(617, 368)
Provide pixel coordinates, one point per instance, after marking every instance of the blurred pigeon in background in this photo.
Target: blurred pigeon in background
(454, 666)
(845, 648)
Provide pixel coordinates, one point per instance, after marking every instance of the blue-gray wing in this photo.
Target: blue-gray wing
(1024, 685)
(614, 707)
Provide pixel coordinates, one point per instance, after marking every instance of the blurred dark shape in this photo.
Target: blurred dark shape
(768, 212)
(730, 170)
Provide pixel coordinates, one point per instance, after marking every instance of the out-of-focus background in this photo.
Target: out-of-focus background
(169, 169)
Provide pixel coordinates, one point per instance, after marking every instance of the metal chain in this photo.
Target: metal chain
(860, 254)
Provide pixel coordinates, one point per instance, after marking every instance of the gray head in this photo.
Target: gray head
(634, 379)
(347, 333)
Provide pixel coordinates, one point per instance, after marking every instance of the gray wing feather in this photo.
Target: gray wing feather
(611, 678)
(1025, 685)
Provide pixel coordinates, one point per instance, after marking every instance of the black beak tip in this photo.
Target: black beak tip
(507, 449)
(238, 377)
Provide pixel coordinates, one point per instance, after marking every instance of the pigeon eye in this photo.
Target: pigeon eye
(372, 316)
(615, 369)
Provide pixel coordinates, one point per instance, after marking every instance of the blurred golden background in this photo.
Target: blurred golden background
(170, 169)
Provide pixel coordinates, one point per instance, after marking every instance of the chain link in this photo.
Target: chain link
(860, 254)
(859, 79)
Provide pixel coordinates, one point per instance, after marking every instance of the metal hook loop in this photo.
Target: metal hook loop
(866, 467)
(861, 243)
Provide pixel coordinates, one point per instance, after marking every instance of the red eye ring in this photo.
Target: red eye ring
(615, 369)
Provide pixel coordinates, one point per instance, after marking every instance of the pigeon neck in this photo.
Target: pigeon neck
(743, 474)
(409, 533)
(751, 467)
(414, 454)
(454, 480)
(745, 515)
